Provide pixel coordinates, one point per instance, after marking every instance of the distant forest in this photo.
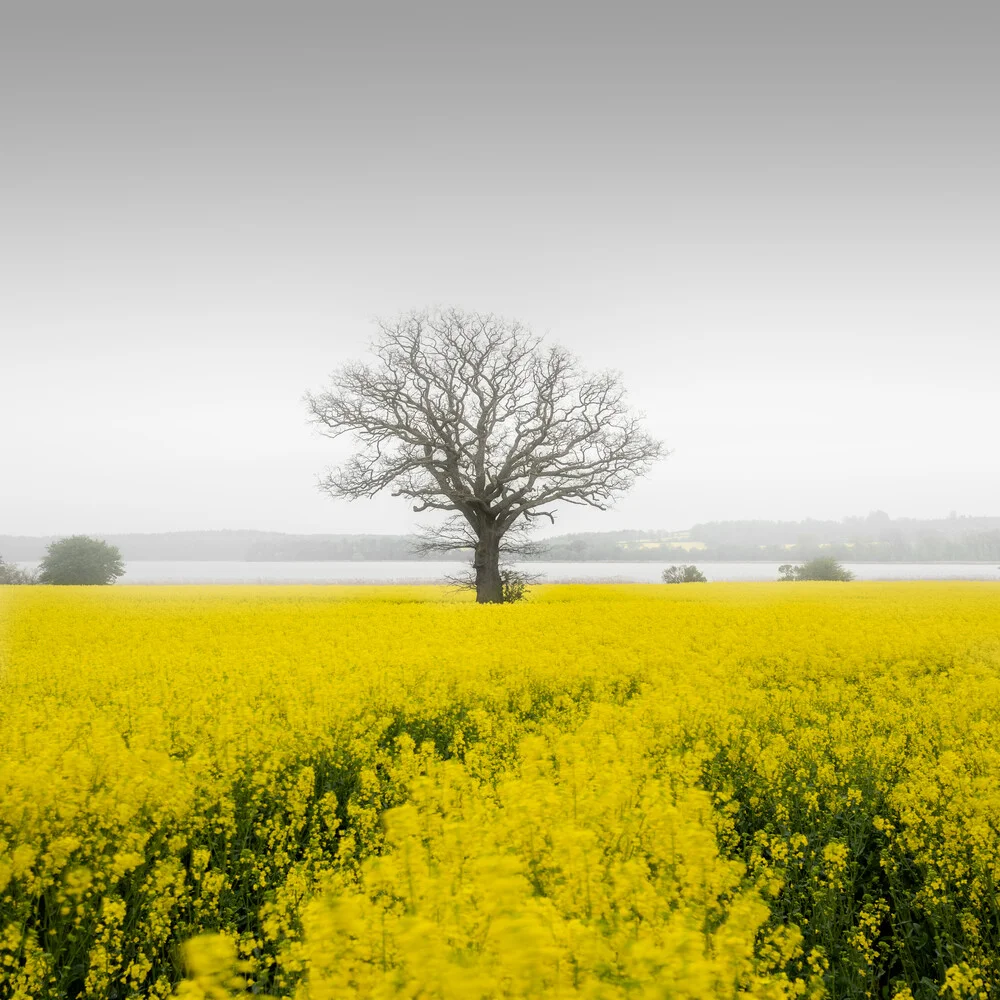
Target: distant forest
(875, 538)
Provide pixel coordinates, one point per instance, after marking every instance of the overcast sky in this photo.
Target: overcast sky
(780, 222)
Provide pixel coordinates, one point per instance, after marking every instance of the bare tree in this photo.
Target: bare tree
(473, 415)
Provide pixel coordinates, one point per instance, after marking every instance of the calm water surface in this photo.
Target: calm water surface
(550, 572)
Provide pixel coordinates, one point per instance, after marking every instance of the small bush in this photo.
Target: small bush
(513, 582)
(515, 585)
(10, 574)
(820, 568)
(683, 574)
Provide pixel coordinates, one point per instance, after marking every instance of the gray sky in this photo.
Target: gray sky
(780, 222)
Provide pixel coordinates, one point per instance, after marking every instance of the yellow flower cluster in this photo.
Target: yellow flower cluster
(582, 874)
(636, 791)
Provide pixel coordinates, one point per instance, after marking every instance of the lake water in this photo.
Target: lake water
(550, 572)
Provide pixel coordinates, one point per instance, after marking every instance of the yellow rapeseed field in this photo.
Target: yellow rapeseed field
(701, 791)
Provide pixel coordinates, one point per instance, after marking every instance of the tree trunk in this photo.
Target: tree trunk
(489, 589)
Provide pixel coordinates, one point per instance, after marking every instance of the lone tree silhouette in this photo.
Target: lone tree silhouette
(471, 414)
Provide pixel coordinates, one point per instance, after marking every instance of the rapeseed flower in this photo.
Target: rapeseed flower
(603, 791)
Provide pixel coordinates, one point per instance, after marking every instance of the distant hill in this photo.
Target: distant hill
(238, 546)
(875, 538)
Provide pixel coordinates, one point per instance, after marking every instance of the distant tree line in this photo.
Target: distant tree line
(872, 539)
(234, 546)
(979, 547)
(875, 538)
(338, 548)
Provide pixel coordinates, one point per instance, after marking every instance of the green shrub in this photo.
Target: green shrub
(11, 574)
(514, 584)
(81, 560)
(820, 568)
(683, 574)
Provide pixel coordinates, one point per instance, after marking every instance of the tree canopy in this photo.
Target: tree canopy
(80, 560)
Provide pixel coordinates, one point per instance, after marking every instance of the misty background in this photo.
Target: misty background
(781, 222)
